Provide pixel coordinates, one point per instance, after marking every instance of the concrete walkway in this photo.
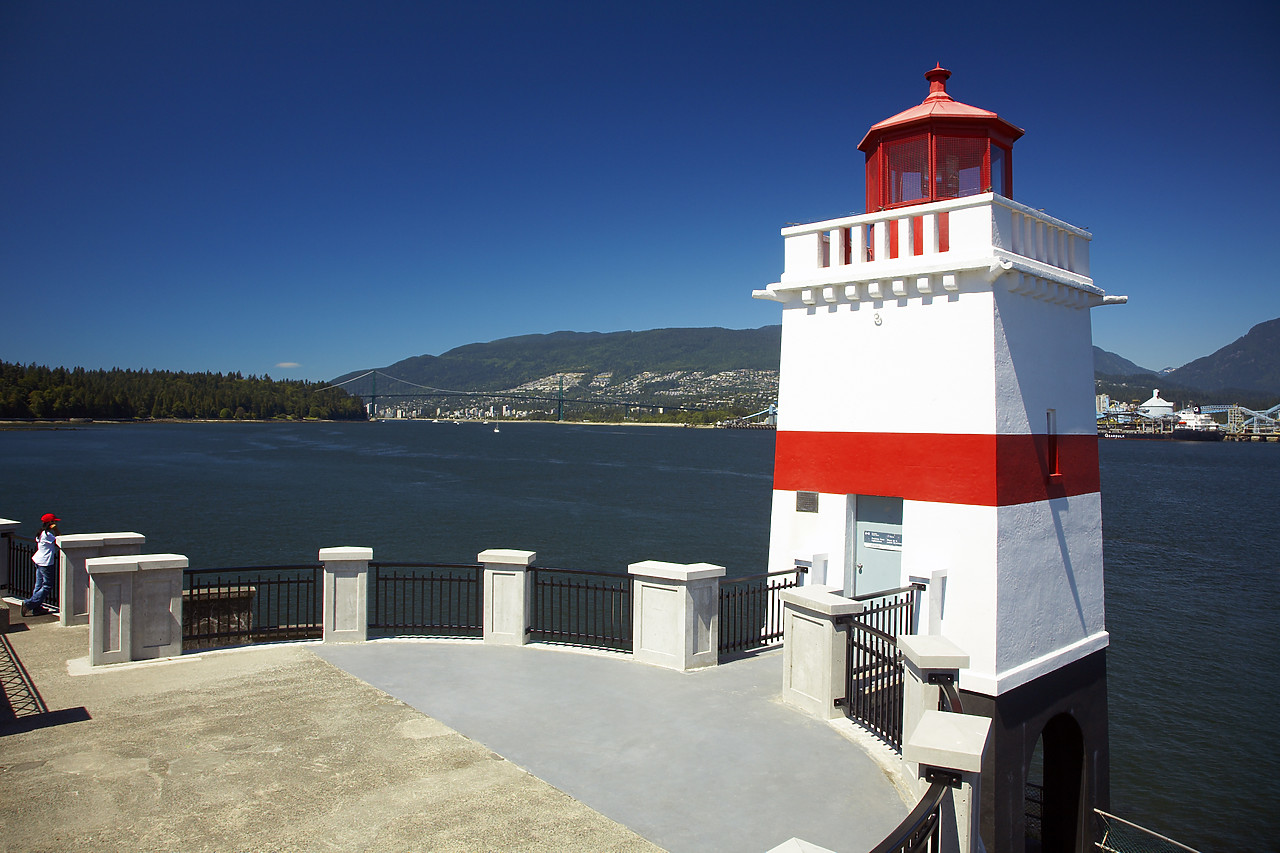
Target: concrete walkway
(694, 762)
(263, 750)
(416, 747)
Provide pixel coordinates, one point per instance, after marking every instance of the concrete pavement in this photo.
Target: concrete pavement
(263, 749)
(412, 746)
(703, 761)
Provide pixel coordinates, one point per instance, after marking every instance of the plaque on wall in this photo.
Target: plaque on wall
(882, 540)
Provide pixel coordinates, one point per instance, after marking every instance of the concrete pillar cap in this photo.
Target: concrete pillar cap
(134, 563)
(507, 556)
(949, 741)
(822, 600)
(345, 553)
(676, 571)
(930, 652)
(96, 540)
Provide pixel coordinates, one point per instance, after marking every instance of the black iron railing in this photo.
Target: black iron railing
(250, 604)
(22, 572)
(425, 599)
(581, 608)
(919, 831)
(874, 669)
(892, 612)
(751, 610)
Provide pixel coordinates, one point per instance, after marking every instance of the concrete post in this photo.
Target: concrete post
(8, 527)
(135, 607)
(73, 578)
(816, 570)
(955, 745)
(815, 648)
(929, 660)
(346, 594)
(675, 614)
(508, 596)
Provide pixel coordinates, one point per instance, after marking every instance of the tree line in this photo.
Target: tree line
(36, 391)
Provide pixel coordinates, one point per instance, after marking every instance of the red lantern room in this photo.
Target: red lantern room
(938, 150)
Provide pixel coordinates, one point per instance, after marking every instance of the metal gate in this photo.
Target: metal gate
(873, 665)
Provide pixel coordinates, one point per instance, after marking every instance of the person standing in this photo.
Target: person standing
(46, 560)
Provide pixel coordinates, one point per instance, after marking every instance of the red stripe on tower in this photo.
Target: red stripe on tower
(980, 470)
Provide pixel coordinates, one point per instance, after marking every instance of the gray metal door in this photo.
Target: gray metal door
(877, 544)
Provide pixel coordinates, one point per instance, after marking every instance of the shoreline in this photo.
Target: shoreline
(65, 423)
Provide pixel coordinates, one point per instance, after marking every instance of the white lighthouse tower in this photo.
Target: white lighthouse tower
(936, 424)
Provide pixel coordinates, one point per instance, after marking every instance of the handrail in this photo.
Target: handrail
(949, 691)
(295, 568)
(925, 810)
(887, 592)
(425, 565)
(794, 570)
(596, 573)
(851, 622)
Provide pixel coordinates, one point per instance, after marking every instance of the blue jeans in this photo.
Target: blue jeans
(44, 583)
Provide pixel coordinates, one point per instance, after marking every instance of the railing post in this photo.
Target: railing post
(73, 578)
(8, 527)
(952, 746)
(135, 607)
(508, 597)
(929, 660)
(675, 615)
(346, 594)
(815, 648)
(816, 570)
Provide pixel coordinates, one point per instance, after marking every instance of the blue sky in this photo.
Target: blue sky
(306, 188)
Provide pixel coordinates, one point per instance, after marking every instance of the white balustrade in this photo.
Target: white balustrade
(834, 250)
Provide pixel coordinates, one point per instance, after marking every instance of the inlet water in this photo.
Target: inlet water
(1191, 535)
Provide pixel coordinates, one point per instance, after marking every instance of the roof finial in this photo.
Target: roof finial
(937, 78)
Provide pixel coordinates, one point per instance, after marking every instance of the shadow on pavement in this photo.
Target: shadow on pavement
(23, 710)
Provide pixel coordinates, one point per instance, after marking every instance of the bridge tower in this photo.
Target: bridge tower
(936, 424)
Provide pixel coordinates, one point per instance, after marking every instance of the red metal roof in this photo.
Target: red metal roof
(938, 106)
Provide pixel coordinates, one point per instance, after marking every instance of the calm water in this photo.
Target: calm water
(1193, 583)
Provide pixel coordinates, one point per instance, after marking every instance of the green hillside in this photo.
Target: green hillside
(1109, 364)
(1251, 362)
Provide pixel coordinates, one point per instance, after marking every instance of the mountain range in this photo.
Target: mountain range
(1245, 371)
(732, 364)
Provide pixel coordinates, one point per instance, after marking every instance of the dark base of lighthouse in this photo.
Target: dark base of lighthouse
(1068, 707)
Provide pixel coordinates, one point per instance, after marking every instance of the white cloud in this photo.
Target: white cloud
(288, 364)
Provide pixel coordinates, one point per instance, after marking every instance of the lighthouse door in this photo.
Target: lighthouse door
(877, 544)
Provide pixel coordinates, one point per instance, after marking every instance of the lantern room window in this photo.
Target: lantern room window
(927, 167)
(999, 157)
(962, 167)
(908, 164)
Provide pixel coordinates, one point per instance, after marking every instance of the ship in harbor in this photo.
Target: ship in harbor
(1194, 425)
(1157, 419)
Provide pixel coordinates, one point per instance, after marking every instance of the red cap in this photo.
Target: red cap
(48, 517)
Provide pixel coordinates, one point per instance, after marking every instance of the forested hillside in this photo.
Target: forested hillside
(1109, 364)
(34, 391)
(1251, 362)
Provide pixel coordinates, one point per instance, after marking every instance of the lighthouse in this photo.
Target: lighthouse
(936, 426)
